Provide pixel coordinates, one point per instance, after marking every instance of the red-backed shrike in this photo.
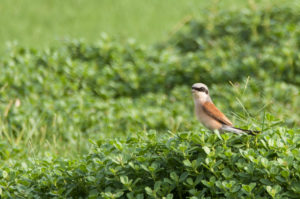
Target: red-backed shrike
(209, 115)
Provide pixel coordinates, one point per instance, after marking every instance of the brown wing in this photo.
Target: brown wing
(215, 113)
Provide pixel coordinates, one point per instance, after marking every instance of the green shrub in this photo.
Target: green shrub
(186, 165)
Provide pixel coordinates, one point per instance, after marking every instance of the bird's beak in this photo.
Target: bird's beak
(193, 90)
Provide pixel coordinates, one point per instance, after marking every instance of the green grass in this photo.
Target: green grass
(35, 23)
(40, 23)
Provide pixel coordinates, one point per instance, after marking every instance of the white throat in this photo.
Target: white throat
(200, 98)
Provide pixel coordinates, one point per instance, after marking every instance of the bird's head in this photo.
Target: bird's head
(200, 92)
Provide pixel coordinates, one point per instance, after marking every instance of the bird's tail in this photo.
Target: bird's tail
(239, 130)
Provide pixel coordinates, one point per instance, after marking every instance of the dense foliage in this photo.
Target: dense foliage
(188, 165)
(59, 98)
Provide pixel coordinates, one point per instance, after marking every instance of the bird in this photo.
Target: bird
(210, 116)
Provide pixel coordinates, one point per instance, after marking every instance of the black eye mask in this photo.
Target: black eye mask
(201, 89)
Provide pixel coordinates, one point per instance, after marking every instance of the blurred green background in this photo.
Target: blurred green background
(35, 23)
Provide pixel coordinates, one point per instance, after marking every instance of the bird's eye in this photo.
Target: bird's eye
(201, 89)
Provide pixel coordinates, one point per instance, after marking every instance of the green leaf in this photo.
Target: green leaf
(296, 187)
(187, 163)
(124, 179)
(249, 188)
(227, 173)
(119, 194)
(266, 182)
(183, 176)
(206, 149)
(174, 176)
(149, 191)
(273, 191)
(4, 174)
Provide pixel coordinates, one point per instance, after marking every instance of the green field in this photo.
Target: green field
(34, 23)
(107, 116)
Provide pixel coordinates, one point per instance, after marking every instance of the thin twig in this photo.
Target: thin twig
(180, 24)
